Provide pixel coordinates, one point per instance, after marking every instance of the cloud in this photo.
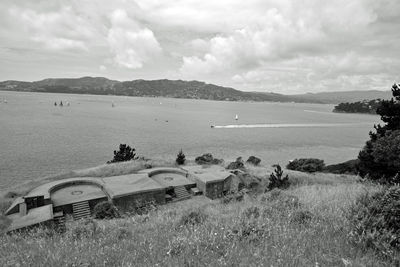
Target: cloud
(268, 45)
(131, 44)
(55, 30)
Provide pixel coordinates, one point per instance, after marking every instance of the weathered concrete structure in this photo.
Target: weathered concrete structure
(50, 202)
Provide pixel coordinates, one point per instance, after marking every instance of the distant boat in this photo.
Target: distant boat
(112, 104)
(5, 100)
(236, 117)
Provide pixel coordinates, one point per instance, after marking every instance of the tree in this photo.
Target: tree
(277, 180)
(378, 157)
(180, 158)
(125, 153)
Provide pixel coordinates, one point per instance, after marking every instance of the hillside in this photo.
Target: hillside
(305, 225)
(153, 88)
(178, 89)
(347, 96)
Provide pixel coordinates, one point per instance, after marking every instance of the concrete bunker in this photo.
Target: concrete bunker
(50, 202)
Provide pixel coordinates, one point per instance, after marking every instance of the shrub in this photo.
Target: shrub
(180, 158)
(306, 165)
(379, 157)
(253, 160)
(82, 229)
(347, 167)
(375, 221)
(192, 217)
(207, 159)
(237, 164)
(277, 180)
(125, 153)
(105, 210)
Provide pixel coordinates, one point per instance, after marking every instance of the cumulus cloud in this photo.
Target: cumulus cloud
(267, 45)
(132, 45)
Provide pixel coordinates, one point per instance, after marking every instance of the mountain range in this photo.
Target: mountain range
(180, 89)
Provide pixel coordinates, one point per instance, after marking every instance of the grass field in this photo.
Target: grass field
(305, 225)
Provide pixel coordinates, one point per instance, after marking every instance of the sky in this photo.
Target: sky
(282, 46)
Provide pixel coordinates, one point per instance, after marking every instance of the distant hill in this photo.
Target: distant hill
(177, 89)
(339, 97)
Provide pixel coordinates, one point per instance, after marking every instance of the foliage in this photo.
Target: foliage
(237, 164)
(253, 160)
(105, 210)
(379, 156)
(306, 165)
(359, 107)
(375, 220)
(125, 153)
(277, 180)
(180, 158)
(347, 167)
(207, 159)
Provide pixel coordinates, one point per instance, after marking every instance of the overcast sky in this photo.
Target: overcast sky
(252, 45)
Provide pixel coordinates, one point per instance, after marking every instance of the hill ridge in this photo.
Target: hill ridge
(179, 89)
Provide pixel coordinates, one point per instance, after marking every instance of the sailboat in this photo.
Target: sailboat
(236, 117)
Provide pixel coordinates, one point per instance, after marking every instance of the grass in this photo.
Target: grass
(261, 230)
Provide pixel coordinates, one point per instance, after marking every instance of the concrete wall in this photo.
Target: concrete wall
(136, 201)
(214, 190)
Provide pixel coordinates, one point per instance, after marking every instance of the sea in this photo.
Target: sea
(38, 137)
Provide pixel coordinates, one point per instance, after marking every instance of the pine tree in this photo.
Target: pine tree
(277, 180)
(180, 158)
(371, 162)
(125, 153)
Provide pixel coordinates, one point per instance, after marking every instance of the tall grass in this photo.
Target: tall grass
(258, 231)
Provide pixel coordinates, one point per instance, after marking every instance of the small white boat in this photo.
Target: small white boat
(236, 117)
(5, 100)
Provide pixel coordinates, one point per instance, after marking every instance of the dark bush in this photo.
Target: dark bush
(253, 160)
(192, 217)
(375, 221)
(105, 210)
(207, 159)
(237, 164)
(125, 153)
(277, 180)
(180, 158)
(347, 167)
(306, 165)
(380, 156)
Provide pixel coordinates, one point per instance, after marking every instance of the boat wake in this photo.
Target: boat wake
(287, 125)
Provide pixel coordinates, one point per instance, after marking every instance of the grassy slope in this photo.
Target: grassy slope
(158, 238)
